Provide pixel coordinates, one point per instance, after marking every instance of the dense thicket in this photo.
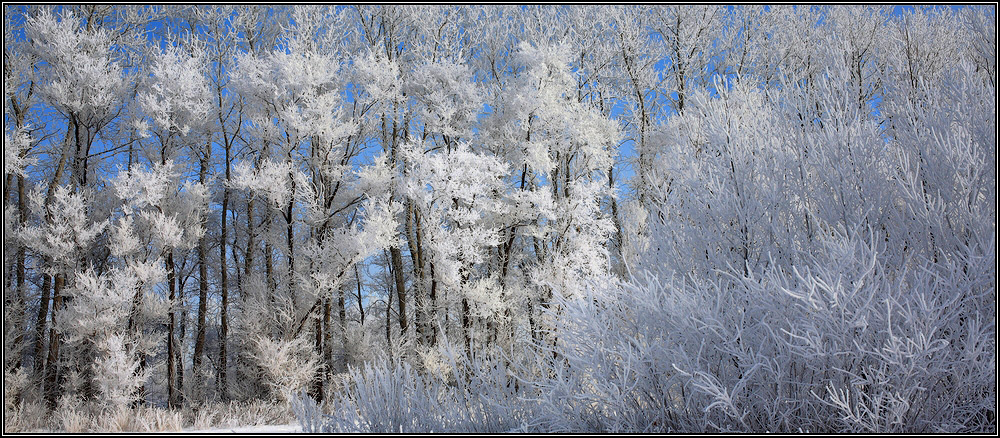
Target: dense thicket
(590, 218)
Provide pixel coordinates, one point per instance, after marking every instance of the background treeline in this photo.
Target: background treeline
(589, 218)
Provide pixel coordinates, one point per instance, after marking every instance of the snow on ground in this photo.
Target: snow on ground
(266, 428)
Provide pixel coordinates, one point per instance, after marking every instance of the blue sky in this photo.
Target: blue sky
(626, 150)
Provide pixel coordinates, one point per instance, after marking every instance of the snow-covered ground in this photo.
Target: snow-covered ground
(268, 428)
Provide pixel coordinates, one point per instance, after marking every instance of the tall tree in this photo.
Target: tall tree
(177, 103)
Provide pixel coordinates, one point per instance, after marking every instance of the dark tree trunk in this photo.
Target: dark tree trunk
(466, 327)
(224, 286)
(397, 270)
(248, 256)
(43, 308)
(19, 274)
(388, 320)
(135, 330)
(40, 323)
(413, 237)
(290, 238)
(199, 343)
(433, 309)
(52, 377)
(327, 352)
(342, 315)
(361, 306)
(181, 337)
(171, 323)
(317, 387)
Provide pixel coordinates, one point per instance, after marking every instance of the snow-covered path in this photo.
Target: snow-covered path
(269, 428)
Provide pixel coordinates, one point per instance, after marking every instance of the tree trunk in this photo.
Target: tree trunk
(388, 320)
(433, 306)
(224, 286)
(83, 139)
(40, 324)
(290, 237)
(199, 343)
(531, 322)
(619, 234)
(171, 347)
(327, 350)
(272, 285)
(52, 377)
(361, 306)
(135, 330)
(223, 241)
(317, 386)
(413, 239)
(248, 256)
(342, 314)
(19, 274)
(181, 337)
(397, 270)
(466, 327)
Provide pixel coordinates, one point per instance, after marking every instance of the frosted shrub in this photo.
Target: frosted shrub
(477, 397)
(16, 383)
(70, 415)
(16, 410)
(117, 372)
(289, 365)
(618, 348)
(843, 344)
(25, 417)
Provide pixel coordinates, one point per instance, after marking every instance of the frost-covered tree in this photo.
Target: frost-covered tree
(63, 237)
(19, 98)
(80, 79)
(493, 218)
(559, 149)
(176, 105)
(456, 198)
(161, 215)
(309, 178)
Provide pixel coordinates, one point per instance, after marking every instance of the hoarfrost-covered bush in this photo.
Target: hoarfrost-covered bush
(478, 396)
(837, 345)
(289, 365)
(118, 374)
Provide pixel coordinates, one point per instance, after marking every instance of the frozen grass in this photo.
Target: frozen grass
(471, 397)
(253, 417)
